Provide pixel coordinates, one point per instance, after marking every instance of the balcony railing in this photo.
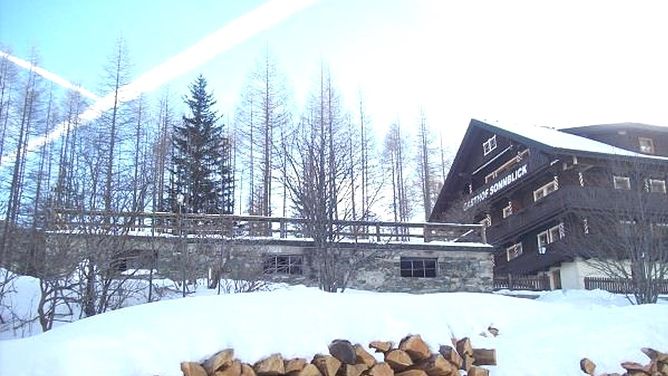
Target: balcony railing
(237, 226)
(574, 197)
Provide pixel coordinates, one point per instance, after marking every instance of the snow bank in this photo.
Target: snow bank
(547, 336)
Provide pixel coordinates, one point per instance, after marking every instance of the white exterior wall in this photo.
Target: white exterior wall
(573, 273)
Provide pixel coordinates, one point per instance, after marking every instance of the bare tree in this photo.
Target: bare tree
(161, 153)
(318, 179)
(114, 120)
(8, 83)
(427, 170)
(395, 151)
(262, 118)
(27, 115)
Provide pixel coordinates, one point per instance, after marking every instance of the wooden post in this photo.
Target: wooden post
(483, 234)
(283, 233)
(378, 232)
(510, 281)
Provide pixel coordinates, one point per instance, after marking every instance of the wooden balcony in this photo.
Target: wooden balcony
(573, 199)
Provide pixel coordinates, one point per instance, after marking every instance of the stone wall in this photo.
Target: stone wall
(457, 270)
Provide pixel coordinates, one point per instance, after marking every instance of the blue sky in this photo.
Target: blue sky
(559, 63)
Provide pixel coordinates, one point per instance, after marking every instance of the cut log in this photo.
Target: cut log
(587, 366)
(192, 369)
(327, 364)
(412, 372)
(271, 366)
(363, 356)
(218, 360)
(451, 355)
(380, 369)
(477, 371)
(416, 348)
(467, 363)
(295, 365)
(247, 370)
(399, 360)
(662, 368)
(234, 369)
(464, 347)
(343, 351)
(655, 355)
(436, 365)
(381, 346)
(352, 369)
(484, 357)
(633, 368)
(308, 370)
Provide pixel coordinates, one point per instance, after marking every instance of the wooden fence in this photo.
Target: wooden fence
(620, 285)
(238, 226)
(522, 282)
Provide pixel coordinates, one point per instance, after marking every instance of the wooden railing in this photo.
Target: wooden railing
(522, 282)
(621, 285)
(240, 226)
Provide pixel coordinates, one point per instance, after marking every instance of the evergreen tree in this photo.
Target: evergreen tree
(201, 167)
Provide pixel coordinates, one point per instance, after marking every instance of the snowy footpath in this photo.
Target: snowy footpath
(546, 336)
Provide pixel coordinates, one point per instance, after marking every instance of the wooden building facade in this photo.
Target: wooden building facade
(541, 192)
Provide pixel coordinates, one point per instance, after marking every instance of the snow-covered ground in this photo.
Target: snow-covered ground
(545, 336)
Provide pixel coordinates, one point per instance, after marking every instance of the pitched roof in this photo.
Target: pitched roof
(598, 128)
(562, 141)
(548, 139)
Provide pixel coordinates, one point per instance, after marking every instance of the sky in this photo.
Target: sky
(553, 63)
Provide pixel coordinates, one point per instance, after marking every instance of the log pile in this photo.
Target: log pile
(412, 357)
(658, 365)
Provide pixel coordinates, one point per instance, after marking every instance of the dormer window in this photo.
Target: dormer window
(489, 145)
(646, 145)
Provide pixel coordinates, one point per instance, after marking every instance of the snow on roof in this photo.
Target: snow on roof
(561, 140)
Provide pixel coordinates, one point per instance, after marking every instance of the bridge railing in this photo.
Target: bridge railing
(251, 226)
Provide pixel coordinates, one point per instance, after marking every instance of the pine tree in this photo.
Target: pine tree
(201, 166)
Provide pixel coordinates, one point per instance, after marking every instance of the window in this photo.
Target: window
(656, 185)
(621, 182)
(646, 145)
(550, 235)
(508, 210)
(489, 145)
(288, 264)
(545, 190)
(513, 251)
(418, 267)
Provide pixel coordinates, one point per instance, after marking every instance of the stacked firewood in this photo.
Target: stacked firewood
(658, 365)
(412, 357)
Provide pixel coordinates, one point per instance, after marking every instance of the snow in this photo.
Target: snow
(546, 336)
(566, 141)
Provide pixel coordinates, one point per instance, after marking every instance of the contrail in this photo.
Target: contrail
(237, 31)
(48, 75)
